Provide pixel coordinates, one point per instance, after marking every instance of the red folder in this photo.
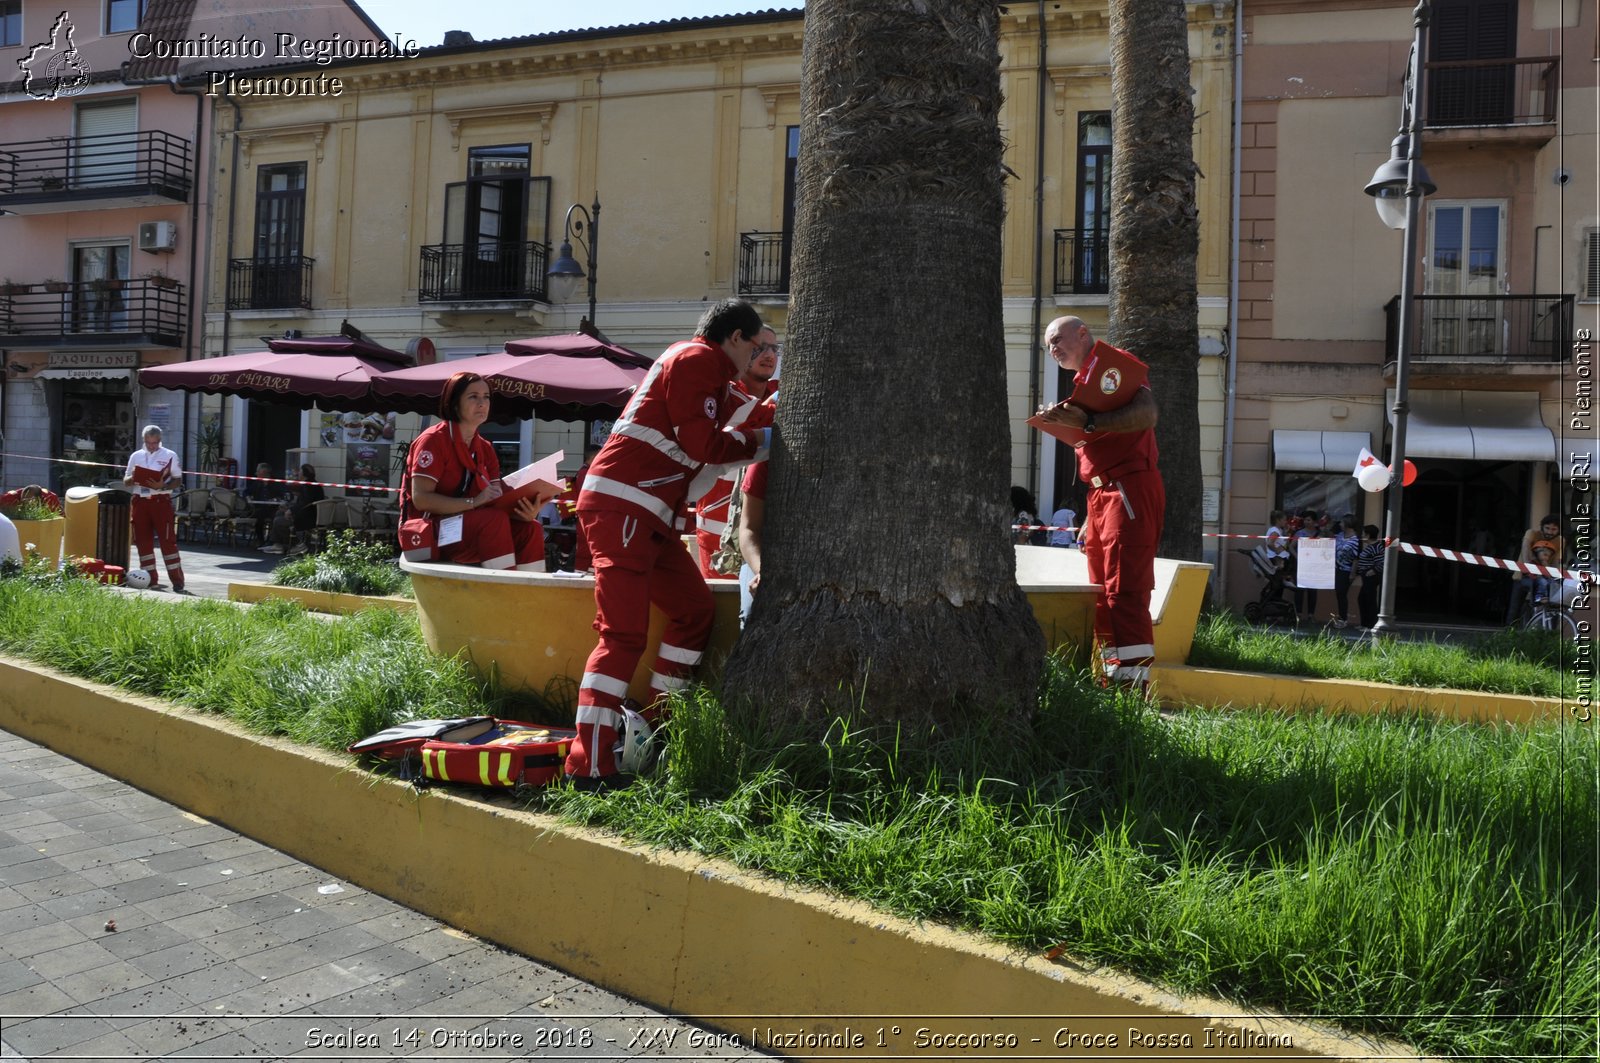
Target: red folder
(143, 477)
(1107, 380)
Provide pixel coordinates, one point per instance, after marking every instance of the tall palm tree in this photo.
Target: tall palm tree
(888, 576)
(1155, 235)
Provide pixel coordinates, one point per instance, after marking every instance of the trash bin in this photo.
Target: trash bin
(111, 540)
(82, 510)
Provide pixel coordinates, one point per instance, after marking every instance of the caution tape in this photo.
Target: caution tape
(1553, 571)
(212, 475)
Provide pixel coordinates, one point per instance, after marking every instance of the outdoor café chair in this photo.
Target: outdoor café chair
(194, 514)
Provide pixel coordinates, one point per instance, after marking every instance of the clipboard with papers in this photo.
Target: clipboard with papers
(537, 481)
(1107, 380)
(154, 478)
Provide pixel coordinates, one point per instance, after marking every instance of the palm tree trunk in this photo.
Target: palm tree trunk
(888, 576)
(1155, 236)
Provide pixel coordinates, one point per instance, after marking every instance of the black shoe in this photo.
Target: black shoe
(599, 784)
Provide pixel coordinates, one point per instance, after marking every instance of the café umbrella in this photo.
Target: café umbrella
(561, 378)
(333, 372)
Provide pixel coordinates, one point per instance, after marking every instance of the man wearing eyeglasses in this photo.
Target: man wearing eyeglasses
(748, 404)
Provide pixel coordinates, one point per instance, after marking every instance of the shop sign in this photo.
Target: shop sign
(92, 360)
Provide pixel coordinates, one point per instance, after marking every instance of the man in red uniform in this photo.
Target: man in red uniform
(33, 492)
(631, 510)
(747, 400)
(1127, 506)
(158, 473)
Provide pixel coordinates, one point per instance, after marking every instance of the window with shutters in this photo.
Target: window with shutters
(123, 16)
(10, 23)
(1591, 265)
(1476, 43)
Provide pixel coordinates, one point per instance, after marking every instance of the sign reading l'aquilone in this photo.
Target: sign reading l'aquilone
(92, 360)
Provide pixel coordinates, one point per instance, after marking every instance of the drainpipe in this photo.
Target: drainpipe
(1231, 350)
(1034, 362)
(196, 288)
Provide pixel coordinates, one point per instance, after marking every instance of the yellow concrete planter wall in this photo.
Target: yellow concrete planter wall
(694, 936)
(319, 601)
(45, 535)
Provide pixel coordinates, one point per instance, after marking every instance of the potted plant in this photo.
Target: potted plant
(51, 182)
(160, 279)
(11, 287)
(39, 525)
(53, 285)
(106, 284)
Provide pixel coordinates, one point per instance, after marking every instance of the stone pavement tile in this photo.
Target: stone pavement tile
(138, 1005)
(177, 905)
(15, 974)
(345, 896)
(33, 871)
(212, 983)
(41, 833)
(106, 1046)
(438, 943)
(231, 1046)
(53, 1033)
(113, 872)
(198, 834)
(376, 964)
(131, 941)
(83, 956)
(397, 925)
(287, 1035)
(128, 918)
(264, 908)
(305, 989)
(248, 940)
(177, 860)
(168, 1035)
(46, 938)
(146, 889)
(41, 999)
(179, 959)
(23, 917)
(343, 943)
(310, 922)
(75, 842)
(113, 826)
(65, 884)
(92, 902)
(231, 848)
(208, 922)
(255, 863)
(100, 982)
(10, 898)
(487, 964)
(277, 962)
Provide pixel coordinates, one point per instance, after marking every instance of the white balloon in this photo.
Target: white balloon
(1374, 477)
(137, 578)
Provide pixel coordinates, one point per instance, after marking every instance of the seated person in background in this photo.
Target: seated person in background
(32, 493)
(303, 501)
(1064, 523)
(1545, 587)
(452, 470)
(1549, 530)
(259, 490)
(1277, 542)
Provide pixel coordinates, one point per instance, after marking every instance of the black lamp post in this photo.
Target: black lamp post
(567, 266)
(1398, 187)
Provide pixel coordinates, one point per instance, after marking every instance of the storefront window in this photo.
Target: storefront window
(1334, 495)
(96, 428)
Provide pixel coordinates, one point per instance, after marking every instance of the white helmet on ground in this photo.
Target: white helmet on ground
(137, 578)
(636, 747)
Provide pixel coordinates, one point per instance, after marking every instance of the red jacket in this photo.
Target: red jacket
(675, 425)
(711, 512)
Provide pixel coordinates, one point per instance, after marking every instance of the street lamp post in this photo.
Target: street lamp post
(1398, 187)
(567, 266)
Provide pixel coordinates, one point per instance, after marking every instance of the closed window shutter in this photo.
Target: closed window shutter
(1591, 271)
(106, 143)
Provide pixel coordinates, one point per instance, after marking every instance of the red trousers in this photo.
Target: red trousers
(153, 519)
(490, 538)
(1120, 538)
(634, 567)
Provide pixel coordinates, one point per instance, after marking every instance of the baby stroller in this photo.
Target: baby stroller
(1271, 607)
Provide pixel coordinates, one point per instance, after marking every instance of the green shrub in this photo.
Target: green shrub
(29, 509)
(348, 565)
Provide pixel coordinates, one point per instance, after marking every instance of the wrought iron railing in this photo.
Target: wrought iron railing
(764, 263)
(87, 311)
(107, 163)
(1485, 328)
(270, 283)
(483, 272)
(1082, 262)
(1493, 92)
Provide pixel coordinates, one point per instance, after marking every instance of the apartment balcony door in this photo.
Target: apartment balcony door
(99, 273)
(279, 236)
(487, 218)
(1467, 31)
(1091, 251)
(1466, 262)
(105, 149)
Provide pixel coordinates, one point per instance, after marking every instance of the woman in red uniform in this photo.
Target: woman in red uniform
(453, 470)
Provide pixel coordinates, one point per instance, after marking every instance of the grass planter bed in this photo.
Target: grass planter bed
(1420, 880)
(319, 601)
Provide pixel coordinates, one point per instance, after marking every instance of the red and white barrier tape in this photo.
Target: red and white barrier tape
(1553, 571)
(213, 475)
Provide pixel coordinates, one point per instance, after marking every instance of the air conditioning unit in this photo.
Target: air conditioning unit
(157, 236)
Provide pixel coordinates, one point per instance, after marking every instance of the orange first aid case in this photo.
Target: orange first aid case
(1107, 380)
(475, 751)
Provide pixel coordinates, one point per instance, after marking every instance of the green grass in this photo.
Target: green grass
(1504, 662)
(346, 565)
(1427, 881)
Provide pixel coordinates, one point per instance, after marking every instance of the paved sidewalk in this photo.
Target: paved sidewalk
(225, 949)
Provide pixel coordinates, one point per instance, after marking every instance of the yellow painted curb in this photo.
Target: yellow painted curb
(319, 601)
(697, 937)
(1179, 686)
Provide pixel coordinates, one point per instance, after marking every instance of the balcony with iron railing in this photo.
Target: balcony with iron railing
(1464, 330)
(1503, 99)
(89, 173)
(270, 283)
(483, 273)
(138, 312)
(1082, 262)
(764, 263)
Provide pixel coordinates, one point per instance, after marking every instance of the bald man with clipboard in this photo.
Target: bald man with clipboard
(1110, 419)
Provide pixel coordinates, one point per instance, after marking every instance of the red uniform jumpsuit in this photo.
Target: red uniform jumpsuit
(489, 537)
(711, 512)
(1127, 506)
(153, 517)
(631, 510)
(49, 499)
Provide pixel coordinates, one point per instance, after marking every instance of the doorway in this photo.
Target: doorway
(270, 431)
(1474, 506)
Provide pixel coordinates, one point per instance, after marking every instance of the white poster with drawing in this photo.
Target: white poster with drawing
(1314, 569)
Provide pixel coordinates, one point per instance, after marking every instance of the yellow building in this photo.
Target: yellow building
(426, 197)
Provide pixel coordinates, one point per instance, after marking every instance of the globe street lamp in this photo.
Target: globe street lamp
(1398, 187)
(567, 266)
